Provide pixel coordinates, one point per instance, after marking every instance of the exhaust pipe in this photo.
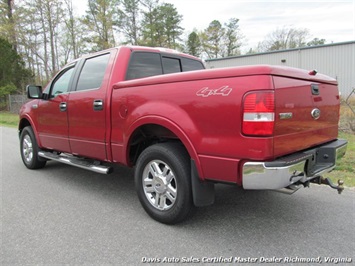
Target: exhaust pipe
(288, 190)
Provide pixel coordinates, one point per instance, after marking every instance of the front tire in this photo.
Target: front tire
(29, 149)
(163, 182)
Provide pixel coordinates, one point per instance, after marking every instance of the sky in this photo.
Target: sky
(333, 21)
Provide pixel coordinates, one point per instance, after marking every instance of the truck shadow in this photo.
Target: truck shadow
(236, 217)
(231, 203)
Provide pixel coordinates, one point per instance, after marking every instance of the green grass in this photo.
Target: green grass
(345, 169)
(8, 119)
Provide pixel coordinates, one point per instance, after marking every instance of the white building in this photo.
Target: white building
(336, 60)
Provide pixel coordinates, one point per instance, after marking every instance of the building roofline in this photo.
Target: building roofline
(281, 51)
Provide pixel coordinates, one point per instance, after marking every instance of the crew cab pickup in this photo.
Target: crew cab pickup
(184, 128)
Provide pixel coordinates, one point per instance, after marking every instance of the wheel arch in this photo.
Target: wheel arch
(23, 123)
(27, 121)
(153, 129)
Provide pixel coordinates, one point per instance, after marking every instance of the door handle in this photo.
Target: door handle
(63, 106)
(98, 105)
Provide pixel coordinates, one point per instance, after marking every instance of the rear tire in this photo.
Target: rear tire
(29, 149)
(163, 182)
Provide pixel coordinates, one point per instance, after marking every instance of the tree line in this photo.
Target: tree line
(37, 37)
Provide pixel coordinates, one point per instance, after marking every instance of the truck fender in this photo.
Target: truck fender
(168, 124)
(202, 191)
(26, 120)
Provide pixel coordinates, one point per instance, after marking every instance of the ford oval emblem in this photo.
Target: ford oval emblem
(315, 113)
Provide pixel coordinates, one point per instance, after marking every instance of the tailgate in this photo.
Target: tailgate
(307, 113)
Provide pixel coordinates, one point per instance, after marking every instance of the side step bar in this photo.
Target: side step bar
(81, 163)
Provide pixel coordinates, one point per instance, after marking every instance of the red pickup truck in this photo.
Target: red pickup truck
(259, 127)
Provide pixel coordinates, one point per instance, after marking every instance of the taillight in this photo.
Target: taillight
(258, 113)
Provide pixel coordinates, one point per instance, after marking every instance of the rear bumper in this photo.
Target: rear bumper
(298, 167)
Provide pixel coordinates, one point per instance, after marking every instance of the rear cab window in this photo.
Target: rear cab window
(144, 64)
(147, 64)
(171, 65)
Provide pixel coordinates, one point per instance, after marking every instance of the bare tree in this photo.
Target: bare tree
(284, 38)
(73, 31)
(37, 28)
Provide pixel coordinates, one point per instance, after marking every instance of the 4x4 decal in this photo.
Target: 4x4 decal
(222, 91)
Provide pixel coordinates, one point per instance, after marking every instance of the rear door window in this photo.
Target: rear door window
(92, 73)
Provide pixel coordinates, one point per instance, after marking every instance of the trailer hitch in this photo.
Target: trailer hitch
(320, 180)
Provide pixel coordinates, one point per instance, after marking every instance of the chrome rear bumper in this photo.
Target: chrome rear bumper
(300, 167)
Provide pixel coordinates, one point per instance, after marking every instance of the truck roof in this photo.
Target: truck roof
(141, 48)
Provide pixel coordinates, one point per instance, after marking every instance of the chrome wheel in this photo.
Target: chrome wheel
(27, 149)
(163, 184)
(159, 185)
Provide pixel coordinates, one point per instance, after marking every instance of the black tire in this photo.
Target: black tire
(29, 149)
(165, 193)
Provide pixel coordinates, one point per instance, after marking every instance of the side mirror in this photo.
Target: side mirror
(34, 92)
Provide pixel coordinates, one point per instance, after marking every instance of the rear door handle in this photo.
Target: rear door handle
(63, 106)
(98, 105)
